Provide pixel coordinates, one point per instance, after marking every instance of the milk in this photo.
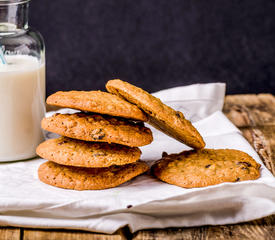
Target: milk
(22, 97)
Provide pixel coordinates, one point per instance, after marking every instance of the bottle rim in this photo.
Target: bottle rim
(12, 2)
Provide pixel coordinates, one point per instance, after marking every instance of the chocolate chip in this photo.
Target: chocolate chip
(164, 154)
(141, 124)
(237, 180)
(207, 166)
(99, 154)
(178, 114)
(129, 206)
(97, 134)
(100, 137)
(245, 163)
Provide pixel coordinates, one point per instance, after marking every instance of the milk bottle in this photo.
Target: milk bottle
(22, 83)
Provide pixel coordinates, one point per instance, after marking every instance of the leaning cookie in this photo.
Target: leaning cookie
(72, 152)
(161, 116)
(77, 178)
(201, 168)
(98, 128)
(98, 102)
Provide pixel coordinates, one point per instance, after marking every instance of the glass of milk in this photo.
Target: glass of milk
(22, 83)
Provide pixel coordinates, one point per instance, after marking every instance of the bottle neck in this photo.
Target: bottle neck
(13, 15)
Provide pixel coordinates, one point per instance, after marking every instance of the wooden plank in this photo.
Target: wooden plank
(9, 233)
(52, 234)
(256, 230)
(250, 110)
(170, 233)
(262, 229)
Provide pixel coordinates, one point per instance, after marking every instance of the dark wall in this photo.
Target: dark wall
(158, 43)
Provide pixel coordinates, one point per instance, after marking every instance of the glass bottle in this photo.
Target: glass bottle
(22, 82)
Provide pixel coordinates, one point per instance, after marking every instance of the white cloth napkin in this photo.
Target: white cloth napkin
(145, 202)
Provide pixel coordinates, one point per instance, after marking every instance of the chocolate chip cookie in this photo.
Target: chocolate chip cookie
(97, 102)
(201, 168)
(161, 116)
(72, 152)
(78, 178)
(98, 128)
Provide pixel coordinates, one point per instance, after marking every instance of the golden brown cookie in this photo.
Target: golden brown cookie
(72, 152)
(98, 102)
(98, 128)
(161, 116)
(78, 178)
(201, 168)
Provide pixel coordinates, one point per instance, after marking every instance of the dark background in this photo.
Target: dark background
(157, 44)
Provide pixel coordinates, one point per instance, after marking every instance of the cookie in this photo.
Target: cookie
(161, 116)
(201, 168)
(72, 152)
(78, 178)
(97, 102)
(98, 128)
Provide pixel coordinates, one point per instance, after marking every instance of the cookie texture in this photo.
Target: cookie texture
(201, 168)
(161, 116)
(98, 128)
(72, 152)
(98, 102)
(78, 178)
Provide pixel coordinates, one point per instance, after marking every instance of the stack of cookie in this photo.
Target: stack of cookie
(98, 147)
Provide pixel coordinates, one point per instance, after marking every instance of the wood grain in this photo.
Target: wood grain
(256, 230)
(263, 141)
(250, 110)
(9, 233)
(31, 234)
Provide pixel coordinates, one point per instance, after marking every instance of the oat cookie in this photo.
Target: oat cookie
(161, 116)
(98, 102)
(201, 168)
(72, 152)
(78, 178)
(98, 128)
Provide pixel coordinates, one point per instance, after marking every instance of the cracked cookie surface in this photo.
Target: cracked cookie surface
(201, 168)
(78, 178)
(98, 128)
(161, 116)
(97, 102)
(72, 152)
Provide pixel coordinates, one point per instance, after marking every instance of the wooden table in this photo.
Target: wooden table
(255, 116)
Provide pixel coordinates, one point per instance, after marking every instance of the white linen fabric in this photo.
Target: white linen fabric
(145, 202)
